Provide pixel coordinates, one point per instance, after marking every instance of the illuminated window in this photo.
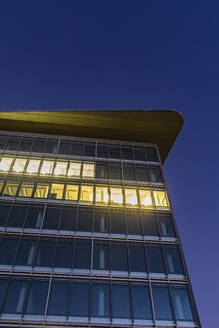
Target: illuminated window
(57, 191)
(26, 190)
(88, 171)
(5, 163)
(131, 197)
(86, 193)
(41, 191)
(160, 198)
(71, 192)
(33, 166)
(1, 184)
(10, 189)
(47, 167)
(145, 198)
(116, 196)
(61, 168)
(102, 195)
(74, 170)
(19, 165)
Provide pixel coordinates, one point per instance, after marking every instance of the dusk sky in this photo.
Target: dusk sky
(76, 54)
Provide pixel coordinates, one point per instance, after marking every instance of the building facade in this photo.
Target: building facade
(87, 234)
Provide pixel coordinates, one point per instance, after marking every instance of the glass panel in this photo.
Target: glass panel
(114, 151)
(134, 224)
(101, 256)
(137, 257)
(151, 154)
(82, 254)
(17, 216)
(74, 169)
(5, 164)
(121, 301)
(41, 191)
(26, 190)
(150, 224)
(4, 212)
(47, 167)
(15, 297)
(165, 223)
(102, 150)
(88, 171)
(145, 198)
(64, 147)
(51, 146)
(141, 302)
(174, 264)
(86, 194)
(19, 165)
(7, 250)
(76, 148)
(116, 196)
(37, 298)
(57, 191)
(26, 252)
(33, 166)
(58, 298)
(131, 197)
(160, 198)
(63, 258)
(13, 143)
(155, 260)
(39, 145)
(162, 305)
(119, 260)
(101, 170)
(117, 223)
(102, 195)
(100, 300)
(155, 174)
(25, 144)
(45, 253)
(3, 140)
(68, 218)
(101, 221)
(139, 154)
(71, 192)
(85, 219)
(60, 168)
(182, 304)
(141, 173)
(79, 300)
(34, 217)
(52, 217)
(3, 284)
(127, 152)
(10, 189)
(115, 171)
(129, 172)
(89, 149)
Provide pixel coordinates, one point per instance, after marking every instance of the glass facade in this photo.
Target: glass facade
(87, 236)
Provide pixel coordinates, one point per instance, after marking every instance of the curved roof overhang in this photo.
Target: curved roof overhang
(160, 127)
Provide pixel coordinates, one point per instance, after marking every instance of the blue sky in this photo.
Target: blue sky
(131, 54)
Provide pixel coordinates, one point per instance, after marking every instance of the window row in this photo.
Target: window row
(84, 219)
(78, 148)
(90, 255)
(98, 195)
(69, 299)
(64, 168)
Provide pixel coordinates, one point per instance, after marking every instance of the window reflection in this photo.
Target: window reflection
(60, 168)
(160, 198)
(88, 171)
(102, 195)
(41, 191)
(33, 166)
(10, 189)
(74, 170)
(71, 192)
(145, 198)
(86, 193)
(57, 191)
(131, 197)
(19, 165)
(5, 163)
(47, 167)
(26, 190)
(116, 196)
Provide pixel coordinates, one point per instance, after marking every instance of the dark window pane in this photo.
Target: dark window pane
(165, 223)
(127, 152)
(120, 301)
(26, 252)
(101, 221)
(82, 254)
(101, 256)
(100, 300)
(39, 145)
(137, 257)
(119, 257)
(34, 217)
(15, 297)
(151, 155)
(3, 140)
(162, 305)
(129, 172)
(102, 150)
(7, 250)
(13, 143)
(79, 300)
(3, 284)
(155, 174)
(155, 260)
(174, 264)
(133, 224)
(51, 218)
(114, 151)
(76, 148)
(182, 304)
(118, 222)
(58, 298)
(63, 258)
(150, 225)
(26, 144)
(4, 212)
(141, 302)
(64, 147)
(139, 154)
(51, 146)
(17, 216)
(141, 173)
(45, 253)
(37, 298)
(101, 171)
(68, 219)
(115, 171)
(89, 149)
(85, 220)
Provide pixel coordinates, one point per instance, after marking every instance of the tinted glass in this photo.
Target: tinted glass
(34, 217)
(26, 252)
(182, 304)
(120, 301)
(166, 226)
(3, 284)
(8, 248)
(51, 218)
(134, 224)
(39, 145)
(4, 212)
(17, 216)
(3, 140)
(63, 257)
(127, 152)
(151, 154)
(64, 147)
(76, 148)
(119, 257)
(79, 299)
(101, 256)
(114, 151)
(155, 174)
(26, 144)
(141, 173)
(118, 223)
(15, 297)
(101, 221)
(89, 149)
(13, 143)
(155, 260)
(100, 300)
(45, 253)
(37, 298)
(102, 150)
(82, 254)
(139, 154)
(150, 225)
(115, 171)
(85, 220)
(68, 218)
(101, 171)
(174, 264)
(51, 146)
(137, 258)
(58, 298)
(128, 172)
(162, 305)
(141, 302)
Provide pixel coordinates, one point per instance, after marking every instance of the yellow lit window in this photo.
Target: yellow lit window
(74, 169)
(86, 193)
(33, 166)
(47, 167)
(10, 189)
(1, 184)
(57, 191)
(19, 165)
(160, 198)
(131, 197)
(5, 163)
(71, 192)
(145, 198)
(26, 190)
(102, 195)
(116, 196)
(60, 168)
(88, 171)
(41, 191)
